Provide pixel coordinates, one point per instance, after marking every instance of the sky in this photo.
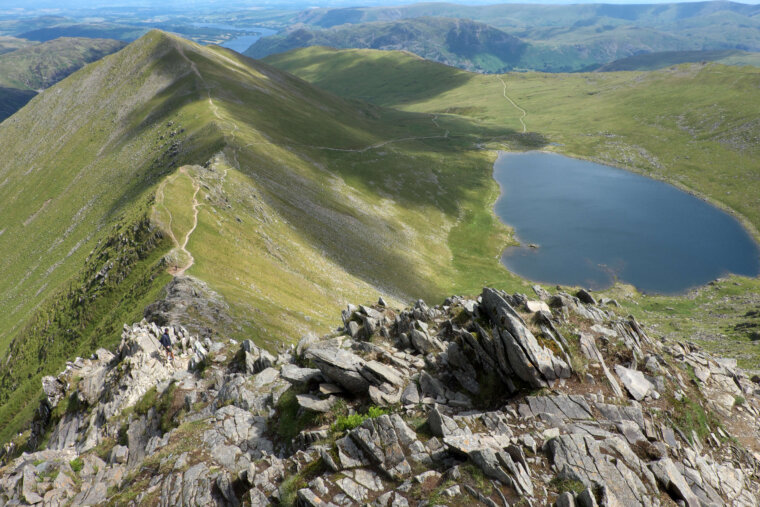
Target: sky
(225, 5)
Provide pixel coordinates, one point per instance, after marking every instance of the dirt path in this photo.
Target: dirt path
(183, 247)
(523, 111)
(161, 201)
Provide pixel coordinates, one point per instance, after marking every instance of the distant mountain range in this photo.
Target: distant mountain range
(551, 38)
(458, 42)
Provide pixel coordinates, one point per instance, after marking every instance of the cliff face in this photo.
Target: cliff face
(500, 400)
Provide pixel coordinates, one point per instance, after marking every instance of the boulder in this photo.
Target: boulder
(634, 381)
(314, 403)
(54, 390)
(339, 365)
(585, 297)
(300, 376)
(673, 482)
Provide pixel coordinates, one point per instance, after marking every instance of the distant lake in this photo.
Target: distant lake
(241, 43)
(594, 224)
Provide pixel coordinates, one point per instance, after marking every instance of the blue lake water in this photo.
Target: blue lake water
(243, 42)
(594, 224)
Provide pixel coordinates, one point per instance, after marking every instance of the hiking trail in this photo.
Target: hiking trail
(523, 111)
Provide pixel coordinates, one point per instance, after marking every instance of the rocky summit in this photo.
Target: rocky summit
(499, 400)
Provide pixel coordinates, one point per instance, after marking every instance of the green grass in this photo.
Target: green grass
(689, 416)
(564, 485)
(350, 421)
(692, 126)
(32, 67)
(42, 65)
(660, 60)
(76, 465)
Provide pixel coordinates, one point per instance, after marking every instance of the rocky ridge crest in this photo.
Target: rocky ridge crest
(499, 400)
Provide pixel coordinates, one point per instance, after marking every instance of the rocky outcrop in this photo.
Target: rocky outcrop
(474, 401)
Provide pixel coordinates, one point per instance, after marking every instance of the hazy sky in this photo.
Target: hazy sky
(222, 5)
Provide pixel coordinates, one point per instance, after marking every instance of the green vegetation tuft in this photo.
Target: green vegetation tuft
(350, 421)
(688, 415)
(562, 485)
(76, 465)
(291, 420)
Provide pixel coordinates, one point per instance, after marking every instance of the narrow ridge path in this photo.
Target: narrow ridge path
(523, 111)
(161, 201)
(183, 247)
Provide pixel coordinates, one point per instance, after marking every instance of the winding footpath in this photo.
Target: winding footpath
(160, 197)
(523, 111)
(183, 247)
(161, 201)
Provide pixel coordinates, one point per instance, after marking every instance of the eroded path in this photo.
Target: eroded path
(178, 221)
(523, 111)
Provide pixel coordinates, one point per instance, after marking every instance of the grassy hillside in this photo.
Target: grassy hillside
(8, 44)
(457, 42)
(288, 200)
(25, 71)
(649, 122)
(656, 61)
(693, 125)
(42, 65)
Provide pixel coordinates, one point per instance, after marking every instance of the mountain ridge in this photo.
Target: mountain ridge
(296, 211)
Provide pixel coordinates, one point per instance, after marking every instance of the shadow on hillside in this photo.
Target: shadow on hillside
(387, 78)
(13, 99)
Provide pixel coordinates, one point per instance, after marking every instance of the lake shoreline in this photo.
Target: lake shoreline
(715, 258)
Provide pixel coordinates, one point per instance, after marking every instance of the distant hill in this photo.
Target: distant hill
(457, 42)
(554, 38)
(8, 44)
(685, 15)
(42, 65)
(655, 61)
(90, 30)
(25, 71)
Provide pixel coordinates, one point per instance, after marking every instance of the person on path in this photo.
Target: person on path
(166, 342)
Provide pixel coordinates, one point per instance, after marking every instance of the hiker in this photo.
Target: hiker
(167, 343)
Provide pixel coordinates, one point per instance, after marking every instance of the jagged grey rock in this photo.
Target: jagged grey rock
(314, 403)
(297, 375)
(671, 479)
(339, 365)
(634, 381)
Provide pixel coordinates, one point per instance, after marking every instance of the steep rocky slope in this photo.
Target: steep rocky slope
(498, 400)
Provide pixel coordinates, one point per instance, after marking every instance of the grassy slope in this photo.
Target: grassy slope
(656, 61)
(43, 65)
(105, 128)
(8, 44)
(695, 126)
(294, 224)
(33, 67)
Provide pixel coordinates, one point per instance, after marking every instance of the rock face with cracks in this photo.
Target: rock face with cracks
(474, 401)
